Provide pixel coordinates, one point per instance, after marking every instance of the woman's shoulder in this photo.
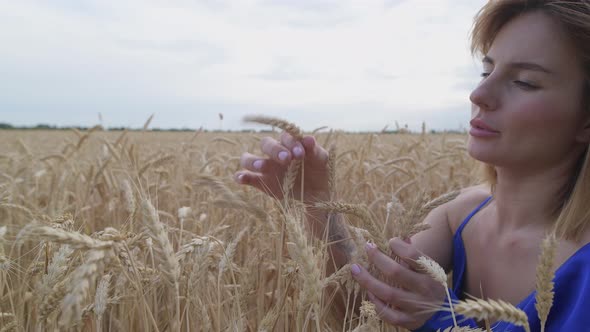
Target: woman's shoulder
(468, 200)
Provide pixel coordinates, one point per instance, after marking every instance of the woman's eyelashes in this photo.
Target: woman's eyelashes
(525, 85)
(520, 83)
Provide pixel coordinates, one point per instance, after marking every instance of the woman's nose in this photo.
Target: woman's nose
(483, 96)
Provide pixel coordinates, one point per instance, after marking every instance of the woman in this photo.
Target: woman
(531, 126)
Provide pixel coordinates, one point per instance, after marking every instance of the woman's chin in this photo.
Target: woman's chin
(480, 154)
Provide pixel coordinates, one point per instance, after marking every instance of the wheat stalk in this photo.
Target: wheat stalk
(332, 172)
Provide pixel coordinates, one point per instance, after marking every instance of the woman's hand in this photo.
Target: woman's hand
(267, 173)
(405, 298)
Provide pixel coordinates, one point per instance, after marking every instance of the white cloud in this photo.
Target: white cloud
(188, 61)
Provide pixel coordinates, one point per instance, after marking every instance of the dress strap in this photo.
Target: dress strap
(479, 207)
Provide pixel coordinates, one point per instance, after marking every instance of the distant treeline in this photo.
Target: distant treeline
(7, 126)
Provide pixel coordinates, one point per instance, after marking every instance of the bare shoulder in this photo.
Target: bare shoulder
(468, 199)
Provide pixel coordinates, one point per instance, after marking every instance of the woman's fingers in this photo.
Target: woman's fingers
(386, 293)
(288, 148)
(256, 163)
(390, 315)
(257, 180)
(292, 145)
(314, 152)
(404, 250)
(275, 150)
(396, 272)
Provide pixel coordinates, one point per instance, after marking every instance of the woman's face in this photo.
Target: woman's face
(526, 111)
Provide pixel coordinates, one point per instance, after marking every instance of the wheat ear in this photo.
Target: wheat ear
(493, 310)
(73, 239)
(168, 264)
(101, 299)
(434, 270)
(433, 204)
(360, 211)
(544, 279)
(289, 127)
(82, 278)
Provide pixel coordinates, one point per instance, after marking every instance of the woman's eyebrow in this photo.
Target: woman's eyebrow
(521, 65)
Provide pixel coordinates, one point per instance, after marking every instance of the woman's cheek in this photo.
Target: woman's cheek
(537, 115)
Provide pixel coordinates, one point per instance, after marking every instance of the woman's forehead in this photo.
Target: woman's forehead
(534, 37)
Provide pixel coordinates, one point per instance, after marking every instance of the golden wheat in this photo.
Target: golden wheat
(213, 256)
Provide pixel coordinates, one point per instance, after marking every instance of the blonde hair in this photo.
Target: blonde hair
(572, 213)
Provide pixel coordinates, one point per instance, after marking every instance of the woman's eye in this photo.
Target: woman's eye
(525, 85)
(484, 75)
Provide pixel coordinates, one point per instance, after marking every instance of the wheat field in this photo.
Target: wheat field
(146, 231)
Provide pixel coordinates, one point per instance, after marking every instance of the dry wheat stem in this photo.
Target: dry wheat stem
(332, 172)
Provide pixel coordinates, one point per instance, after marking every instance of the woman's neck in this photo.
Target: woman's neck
(530, 198)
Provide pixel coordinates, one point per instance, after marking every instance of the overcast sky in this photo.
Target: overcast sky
(346, 64)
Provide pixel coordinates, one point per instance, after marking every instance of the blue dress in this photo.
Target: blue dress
(571, 303)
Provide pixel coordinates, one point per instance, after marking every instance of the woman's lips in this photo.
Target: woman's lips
(481, 129)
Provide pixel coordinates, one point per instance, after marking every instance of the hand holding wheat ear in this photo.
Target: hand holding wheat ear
(402, 304)
(267, 172)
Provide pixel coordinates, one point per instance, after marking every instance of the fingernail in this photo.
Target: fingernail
(257, 164)
(370, 245)
(241, 178)
(283, 155)
(355, 269)
(298, 151)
